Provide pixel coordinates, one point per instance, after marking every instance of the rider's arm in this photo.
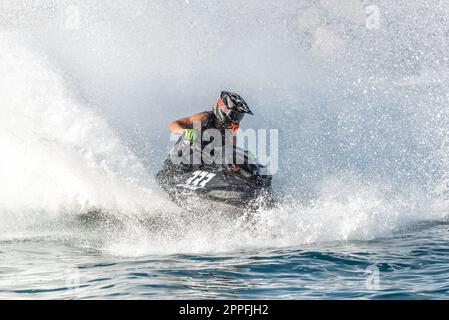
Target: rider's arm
(178, 126)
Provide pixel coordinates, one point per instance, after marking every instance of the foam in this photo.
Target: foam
(83, 117)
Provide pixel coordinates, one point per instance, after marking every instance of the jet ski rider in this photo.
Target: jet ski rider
(227, 113)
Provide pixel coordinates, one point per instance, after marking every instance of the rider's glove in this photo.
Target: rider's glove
(189, 134)
(251, 156)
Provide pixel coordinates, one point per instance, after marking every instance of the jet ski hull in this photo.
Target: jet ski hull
(216, 189)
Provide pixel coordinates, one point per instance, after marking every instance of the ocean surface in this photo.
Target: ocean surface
(356, 91)
(411, 265)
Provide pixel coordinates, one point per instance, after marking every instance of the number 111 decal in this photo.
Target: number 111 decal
(198, 180)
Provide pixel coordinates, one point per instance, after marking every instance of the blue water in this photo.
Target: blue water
(413, 264)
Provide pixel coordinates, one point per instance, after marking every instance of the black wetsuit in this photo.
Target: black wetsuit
(183, 146)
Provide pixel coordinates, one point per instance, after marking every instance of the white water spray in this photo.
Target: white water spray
(361, 113)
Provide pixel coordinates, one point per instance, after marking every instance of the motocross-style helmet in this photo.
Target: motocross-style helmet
(230, 110)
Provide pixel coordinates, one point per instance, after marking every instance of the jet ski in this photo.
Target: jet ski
(229, 187)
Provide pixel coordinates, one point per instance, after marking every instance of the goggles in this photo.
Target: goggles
(235, 116)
